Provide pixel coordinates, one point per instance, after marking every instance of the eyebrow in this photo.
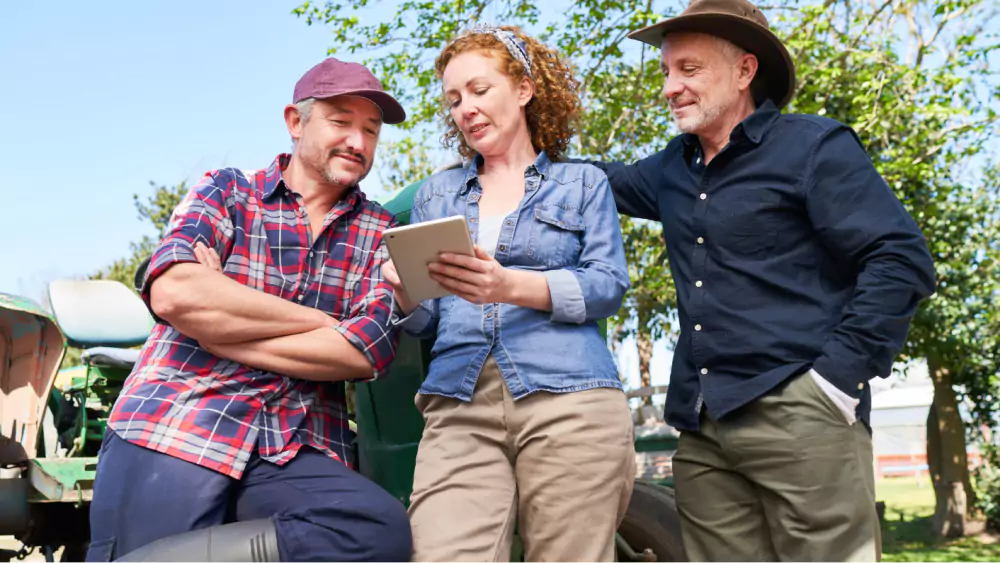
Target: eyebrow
(467, 82)
(349, 111)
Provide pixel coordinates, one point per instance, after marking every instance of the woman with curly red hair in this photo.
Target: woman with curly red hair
(526, 423)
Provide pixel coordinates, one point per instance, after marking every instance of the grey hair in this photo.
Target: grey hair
(304, 108)
(732, 52)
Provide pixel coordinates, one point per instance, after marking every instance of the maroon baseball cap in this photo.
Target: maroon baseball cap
(338, 78)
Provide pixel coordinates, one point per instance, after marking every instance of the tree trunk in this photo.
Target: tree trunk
(645, 345)
(947, 458)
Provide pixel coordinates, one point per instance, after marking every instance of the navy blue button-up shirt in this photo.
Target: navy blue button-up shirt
(789, 252)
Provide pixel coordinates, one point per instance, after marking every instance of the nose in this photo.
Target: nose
(672, 87)
(356, 140)
(467, 110)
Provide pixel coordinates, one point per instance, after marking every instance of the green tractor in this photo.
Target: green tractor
(51, 433)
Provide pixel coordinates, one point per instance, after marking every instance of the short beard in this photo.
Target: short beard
(699, 122)
(329, 177)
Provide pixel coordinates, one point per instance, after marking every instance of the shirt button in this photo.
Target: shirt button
(861, 386)
(489, 315)
(509, 222)
(704, 371)
(301, 297)
(502, 248)
(701, 240)
(703, 196)
(698, 283)
(697, 327)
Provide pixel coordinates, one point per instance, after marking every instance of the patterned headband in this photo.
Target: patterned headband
(514, 44)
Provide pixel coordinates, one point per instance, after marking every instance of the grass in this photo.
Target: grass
(906, 531)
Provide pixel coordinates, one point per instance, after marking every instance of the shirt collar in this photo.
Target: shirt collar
(274, 183)
(759, 121)
(540, 167)
(272, 178)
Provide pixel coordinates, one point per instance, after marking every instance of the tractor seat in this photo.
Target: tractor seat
(97, 313)
(103, 356)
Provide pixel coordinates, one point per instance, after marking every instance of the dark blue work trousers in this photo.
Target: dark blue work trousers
(322, 510)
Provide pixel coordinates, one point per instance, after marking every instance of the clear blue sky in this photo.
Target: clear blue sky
(99, 98)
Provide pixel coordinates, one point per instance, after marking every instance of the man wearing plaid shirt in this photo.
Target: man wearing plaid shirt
(231, 430)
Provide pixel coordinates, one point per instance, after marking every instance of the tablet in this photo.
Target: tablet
(413, 247)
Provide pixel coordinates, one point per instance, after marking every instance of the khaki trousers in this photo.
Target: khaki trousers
(559, 466)
(784, 478)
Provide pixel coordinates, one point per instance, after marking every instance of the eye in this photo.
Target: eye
(689, 70)
(339, 122)
(371, 132)
(482, 91)
(454, 103)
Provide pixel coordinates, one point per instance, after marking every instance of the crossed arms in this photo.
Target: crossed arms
(186, 289)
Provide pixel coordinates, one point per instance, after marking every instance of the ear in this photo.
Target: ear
(293, 120)
(746, 68)
(525, 91)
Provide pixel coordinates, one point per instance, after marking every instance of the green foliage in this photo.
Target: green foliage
(987, 481)
(926, 116)
(156, 210)
(911, 76)
(624, 120)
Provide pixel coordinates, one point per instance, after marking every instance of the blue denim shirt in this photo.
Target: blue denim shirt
(566, 228)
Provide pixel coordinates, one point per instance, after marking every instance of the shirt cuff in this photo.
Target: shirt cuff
(415, 323)
(568, 305)
(372, 340)
(174, 252)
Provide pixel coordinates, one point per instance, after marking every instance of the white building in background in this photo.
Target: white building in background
(900, 405)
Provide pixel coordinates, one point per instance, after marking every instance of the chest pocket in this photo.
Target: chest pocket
(554, 239)
(752, 223)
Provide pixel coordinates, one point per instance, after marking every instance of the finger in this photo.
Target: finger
(215, 259)
(442, 269)
(467, 262)
(482, 254)
(465, 290)
(390, 276)
(199, 254)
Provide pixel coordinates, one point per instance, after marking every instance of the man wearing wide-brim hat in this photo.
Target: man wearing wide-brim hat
(797, 272)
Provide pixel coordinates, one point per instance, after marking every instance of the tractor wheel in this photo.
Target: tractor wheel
(651, 527)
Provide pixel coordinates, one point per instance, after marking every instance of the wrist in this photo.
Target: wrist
(508, 286)
(324, 320)
(403, 303)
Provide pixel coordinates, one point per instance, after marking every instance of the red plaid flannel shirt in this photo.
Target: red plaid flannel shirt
(190, 404)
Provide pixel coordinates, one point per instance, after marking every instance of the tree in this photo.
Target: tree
(925, 117)
(156, 210)
(912, 77)
(625, 119)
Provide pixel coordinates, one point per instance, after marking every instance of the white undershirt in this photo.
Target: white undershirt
(489, 232)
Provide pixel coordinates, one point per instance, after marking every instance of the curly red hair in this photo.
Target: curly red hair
(553, 111)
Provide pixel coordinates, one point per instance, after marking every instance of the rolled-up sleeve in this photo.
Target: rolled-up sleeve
(595, 288)
(369, 327)
(202, 216)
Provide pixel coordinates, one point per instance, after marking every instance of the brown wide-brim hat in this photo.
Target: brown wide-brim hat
(740, 23)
